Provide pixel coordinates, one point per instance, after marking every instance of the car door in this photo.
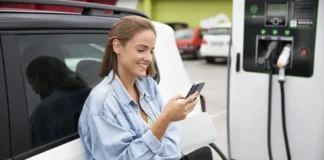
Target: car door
(44, 121)
(4, 118)
(40, 123)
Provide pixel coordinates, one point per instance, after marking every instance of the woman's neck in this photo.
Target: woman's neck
(127, 80)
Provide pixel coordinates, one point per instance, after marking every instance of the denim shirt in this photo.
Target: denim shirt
(111, 127)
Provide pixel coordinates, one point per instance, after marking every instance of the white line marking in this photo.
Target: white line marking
(221, 113)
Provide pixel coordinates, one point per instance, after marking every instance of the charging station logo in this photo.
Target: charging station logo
(254, 9)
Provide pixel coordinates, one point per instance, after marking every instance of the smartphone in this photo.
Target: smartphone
(198, 86)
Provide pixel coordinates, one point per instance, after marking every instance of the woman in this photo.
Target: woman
(124, 117)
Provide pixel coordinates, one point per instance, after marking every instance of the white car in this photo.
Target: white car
(77, 40)
(215, 43)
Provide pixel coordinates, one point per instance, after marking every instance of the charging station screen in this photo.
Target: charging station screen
(276, 10)
(276, 14)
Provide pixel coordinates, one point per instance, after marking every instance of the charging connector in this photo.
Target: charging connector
(282, 62)
(284, 56)
(271, 48)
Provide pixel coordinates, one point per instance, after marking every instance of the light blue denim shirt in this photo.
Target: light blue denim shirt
(111, 127)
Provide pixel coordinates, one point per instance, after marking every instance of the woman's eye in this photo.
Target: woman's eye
(140, 50)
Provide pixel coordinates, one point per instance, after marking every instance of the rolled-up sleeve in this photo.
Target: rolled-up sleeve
(110, 141)
(152, 142)
(171, 142)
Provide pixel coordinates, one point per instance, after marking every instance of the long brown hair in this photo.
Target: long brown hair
(124, 30)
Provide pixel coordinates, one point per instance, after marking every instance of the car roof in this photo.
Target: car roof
(92, 16)
(42, 20)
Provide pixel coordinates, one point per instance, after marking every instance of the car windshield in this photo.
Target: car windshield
(184, 34)
(219, 31)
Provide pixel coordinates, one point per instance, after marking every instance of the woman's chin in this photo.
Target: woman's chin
(141, 74)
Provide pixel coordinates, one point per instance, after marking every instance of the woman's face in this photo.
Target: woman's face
(137, 54)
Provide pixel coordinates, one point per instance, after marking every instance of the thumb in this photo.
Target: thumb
(178, 96)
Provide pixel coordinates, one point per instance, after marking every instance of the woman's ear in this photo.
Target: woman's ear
(116, 46)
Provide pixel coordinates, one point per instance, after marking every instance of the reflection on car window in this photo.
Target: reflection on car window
(62, 94)
(184, 34)
(59, 75)
(59, 72)
(89, 51)
(219, 31)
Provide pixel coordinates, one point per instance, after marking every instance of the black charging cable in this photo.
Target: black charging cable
(220, 153)
(267, 61)
(269, 114)
(283, 114)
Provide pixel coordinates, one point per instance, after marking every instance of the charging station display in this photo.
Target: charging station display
(288, 22)
(276, 9)
(276, 14)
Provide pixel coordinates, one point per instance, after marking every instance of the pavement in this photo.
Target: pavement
(215, 76)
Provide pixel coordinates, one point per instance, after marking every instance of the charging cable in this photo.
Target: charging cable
(282, 62)
(267, 60)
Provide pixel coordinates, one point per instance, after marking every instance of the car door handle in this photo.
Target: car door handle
(238, 62)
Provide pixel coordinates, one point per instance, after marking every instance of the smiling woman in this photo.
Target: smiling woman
(138, 49)
(124, 116)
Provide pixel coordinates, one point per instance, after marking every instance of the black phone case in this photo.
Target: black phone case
(196, 87)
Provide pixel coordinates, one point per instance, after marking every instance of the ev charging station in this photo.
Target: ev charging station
(276, 80)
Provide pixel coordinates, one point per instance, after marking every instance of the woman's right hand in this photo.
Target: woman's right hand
(178, 108)
(175, 110)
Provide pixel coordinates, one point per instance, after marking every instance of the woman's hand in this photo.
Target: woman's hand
(178, 108)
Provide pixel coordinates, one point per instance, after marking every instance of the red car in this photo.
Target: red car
(189, 40)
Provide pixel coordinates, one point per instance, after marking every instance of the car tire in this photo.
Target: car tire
(197, 55)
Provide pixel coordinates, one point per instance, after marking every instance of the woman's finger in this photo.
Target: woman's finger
(190, 109)
(192, 105)
(178, 96)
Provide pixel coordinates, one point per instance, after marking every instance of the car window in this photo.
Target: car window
(218, 31)
(59, 72)
(90, 51)
(184, 34)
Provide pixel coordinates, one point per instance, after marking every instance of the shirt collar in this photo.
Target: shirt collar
(121, 91)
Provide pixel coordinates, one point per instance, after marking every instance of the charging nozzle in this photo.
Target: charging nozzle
(283, 60)
(266, 58)
(284, 56)
(272, 46)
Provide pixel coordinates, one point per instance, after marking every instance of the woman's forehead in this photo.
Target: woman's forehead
(144, 39)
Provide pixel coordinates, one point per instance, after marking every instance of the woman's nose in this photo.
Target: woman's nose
(148, 57)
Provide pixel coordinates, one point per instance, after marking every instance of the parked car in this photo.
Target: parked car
(47, 46)
(215, 44)
(189, 40)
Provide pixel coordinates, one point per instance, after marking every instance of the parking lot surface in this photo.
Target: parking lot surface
(215, 76)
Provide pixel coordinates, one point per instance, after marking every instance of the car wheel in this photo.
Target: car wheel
(197, 55)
